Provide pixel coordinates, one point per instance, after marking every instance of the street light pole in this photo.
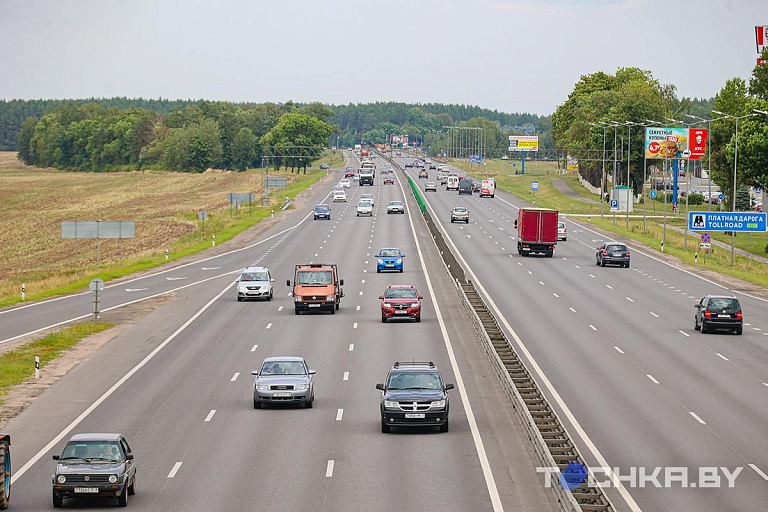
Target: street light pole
(602, 178)
(735, 161)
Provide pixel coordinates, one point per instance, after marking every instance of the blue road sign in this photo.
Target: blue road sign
(726, 221)
(475, 159)
(706, 238)
(534, 186)
(614, 204)
(653, 194)
(721, 197)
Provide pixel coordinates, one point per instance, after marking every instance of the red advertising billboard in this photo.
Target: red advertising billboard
(761, 38)
(698, 143)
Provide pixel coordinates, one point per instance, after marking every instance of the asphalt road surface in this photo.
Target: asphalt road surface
(177, 384)
(619, 348)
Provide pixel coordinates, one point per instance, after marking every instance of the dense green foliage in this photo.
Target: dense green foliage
(117, 133)
(633, 95)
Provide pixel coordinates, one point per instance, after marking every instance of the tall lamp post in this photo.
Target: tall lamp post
(602, 178)
(735, 161)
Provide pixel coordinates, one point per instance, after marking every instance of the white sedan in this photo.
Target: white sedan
(339, 196)
(395, 207)
(364, 208)
(344, 182)
(367, 197)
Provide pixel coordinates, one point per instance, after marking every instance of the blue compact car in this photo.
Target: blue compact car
(389, 259)
(322, 211)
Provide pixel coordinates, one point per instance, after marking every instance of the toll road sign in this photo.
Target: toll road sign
(653, 194)
(534, 186)
(727, 221)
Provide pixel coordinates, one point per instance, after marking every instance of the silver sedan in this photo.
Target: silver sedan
(283, 380)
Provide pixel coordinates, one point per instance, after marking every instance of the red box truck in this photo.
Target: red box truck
(536, 231)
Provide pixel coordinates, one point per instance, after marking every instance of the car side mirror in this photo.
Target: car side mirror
(380, 386)
(421, 297)
(376, 256)
(255, 372)
(271, 280)
(312, 372)
(237, 280)
(341, 282)
(288, 282)
(402, 255)
(448, 386)
(129, 456)
(55, 457)
(381, 297)
(696, 306)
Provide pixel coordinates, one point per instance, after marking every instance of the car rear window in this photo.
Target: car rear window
(724, 303)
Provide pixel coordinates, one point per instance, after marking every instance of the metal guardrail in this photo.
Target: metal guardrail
(551, 442)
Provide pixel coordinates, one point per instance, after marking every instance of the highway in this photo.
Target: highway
(633, 381)
(177, 384)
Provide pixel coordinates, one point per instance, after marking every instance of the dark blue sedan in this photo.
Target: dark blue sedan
(322, 211)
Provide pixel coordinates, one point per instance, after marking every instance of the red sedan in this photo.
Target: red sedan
(389, 180)
(400, 301)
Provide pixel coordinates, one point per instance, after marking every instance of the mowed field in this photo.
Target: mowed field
(34, 202)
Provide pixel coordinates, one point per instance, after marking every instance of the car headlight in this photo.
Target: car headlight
(262, 387)
(415, 305)
(381, 262)
(387, 305)
(61, 479)
(112, 479)
(399, 261)
(330, 297)
(301, 386)
(438, 403)
(389, 404)
(243, 289)
(297, 298)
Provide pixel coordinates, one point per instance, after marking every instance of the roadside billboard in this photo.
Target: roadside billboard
(523, 142)
(761, 38)
(675, 143)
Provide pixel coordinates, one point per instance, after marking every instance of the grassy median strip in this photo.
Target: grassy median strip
(18, 365)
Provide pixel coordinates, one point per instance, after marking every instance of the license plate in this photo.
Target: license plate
(389, 265)
(401, 312)
(87, 489)
(414, 415)
(281, 394)
(313, 305)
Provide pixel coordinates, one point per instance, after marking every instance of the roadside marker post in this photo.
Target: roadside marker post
(213, 240)
(96, 286)
(166, 255)
(23, 292)
(37, 367)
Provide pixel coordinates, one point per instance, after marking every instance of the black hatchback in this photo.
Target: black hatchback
(718, 312)
(612, 253)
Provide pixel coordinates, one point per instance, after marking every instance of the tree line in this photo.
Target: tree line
(194, 137)
(632, 95)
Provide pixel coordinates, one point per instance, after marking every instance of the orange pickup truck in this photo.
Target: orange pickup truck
(317, 286)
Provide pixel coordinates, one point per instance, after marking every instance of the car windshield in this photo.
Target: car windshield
(254, 276)
(460, 209)
(366, 196)
(413, 380)
(364, 204)
(319, 277)
(395, 203)
(283, 368)
(400, 293)
(321, 208)
(389, 253)
(93, 450)
(723, 303)
(339, 193)
(430, 183)
(616, 248)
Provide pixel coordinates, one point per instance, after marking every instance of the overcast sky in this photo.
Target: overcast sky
(511, 55)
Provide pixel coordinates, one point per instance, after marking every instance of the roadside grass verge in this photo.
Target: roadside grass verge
(332, 157)
(18, 365)
(163, 204)
(497, 167)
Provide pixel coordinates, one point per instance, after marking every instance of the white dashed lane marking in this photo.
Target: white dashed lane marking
(174, 470)
(721, 356)
(210, 415)
(329, 469)
(253, 348)
(652, 379)
(234, 377)
(696, 416)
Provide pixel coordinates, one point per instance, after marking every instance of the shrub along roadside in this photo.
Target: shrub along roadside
(18, 365)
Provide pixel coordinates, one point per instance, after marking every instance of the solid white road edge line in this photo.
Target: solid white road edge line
(490, 481)
(544, 379)
(20, 472)
(759, 471)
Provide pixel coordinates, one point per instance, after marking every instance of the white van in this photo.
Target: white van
(452, 183)
(488, 188)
